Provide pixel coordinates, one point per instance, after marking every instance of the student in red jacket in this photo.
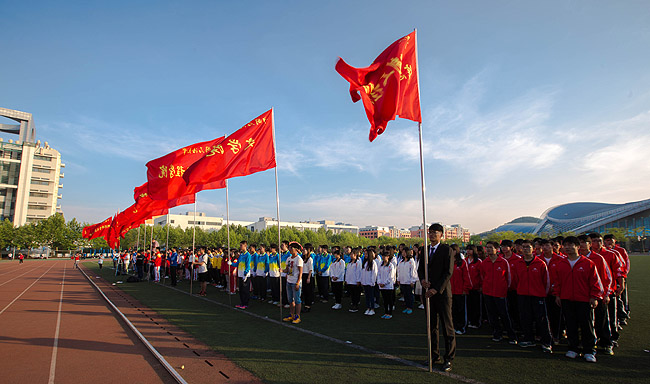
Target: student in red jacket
(495, 273)
(474, 295)
(551, 257)
(601, 317)
(460, 286)
(578, 290)
(511, 257)
(623, 304)
(533, 285)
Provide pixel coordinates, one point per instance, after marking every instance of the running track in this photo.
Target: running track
(56, 328)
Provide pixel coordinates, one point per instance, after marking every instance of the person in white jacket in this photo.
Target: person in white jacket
(369, 279)
(407, 277)
(353, 280)
(386, 281)
(337, 274)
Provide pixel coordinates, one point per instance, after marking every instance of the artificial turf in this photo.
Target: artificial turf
(280, 354)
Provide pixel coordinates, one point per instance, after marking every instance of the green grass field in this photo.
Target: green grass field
(280, 354)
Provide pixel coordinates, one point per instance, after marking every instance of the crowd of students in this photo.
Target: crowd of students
(533, 291)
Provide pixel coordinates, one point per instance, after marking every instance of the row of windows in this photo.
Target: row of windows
(41, 170)
(40, 182)
(42, 158)
(39, 194)
(38, 207)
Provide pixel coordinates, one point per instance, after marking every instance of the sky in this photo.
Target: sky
(525, 105)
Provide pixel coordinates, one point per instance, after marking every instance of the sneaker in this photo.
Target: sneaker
(288, 318)
(323, 301)
(337, 306)
(409, 311)
(404, 311)
(377, 305)
(366, 312)
(353, 310)
(383, 316)
(608, 351)
(287, 306)
(459, 332)
(497, 339)
(572, 354)
(296, 320)
(590, 358)
(370, 312)
(421, 306)
(388, 317)
(526, 344)
(472, 326)
(239, 306)
(275, 302)
(270, 301)
(547, 349)
(401, 299)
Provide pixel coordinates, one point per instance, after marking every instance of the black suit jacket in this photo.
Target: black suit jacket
(441, 266)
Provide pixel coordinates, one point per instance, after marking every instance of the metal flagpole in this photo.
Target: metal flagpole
(193, 252)
(137, 243)
(228, 278)
(151, 248)
(277, 202)
(167, 252)
(424, 219)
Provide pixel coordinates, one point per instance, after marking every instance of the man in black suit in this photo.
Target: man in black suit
(438, 292)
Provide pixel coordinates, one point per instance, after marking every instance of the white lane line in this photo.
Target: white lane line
(23, 292)
(9, 281)
(56, 334)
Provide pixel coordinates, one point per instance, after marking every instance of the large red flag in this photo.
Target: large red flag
(388, 87)
(112, 236)
(99, 229)
(165, 174)
(250, 149)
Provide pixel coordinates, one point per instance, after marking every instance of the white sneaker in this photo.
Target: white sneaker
(336, 306)
(371, 312)
(572, 354)
(366, 312)
(421, 306)
(377, 306)
(590, 358)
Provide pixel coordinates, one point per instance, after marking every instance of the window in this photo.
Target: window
(41, 170)
(42, 158)
(38, 194)
(40, 182)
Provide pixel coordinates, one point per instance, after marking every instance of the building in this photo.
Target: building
(213, 223)
(457, 232)
(374, 232)
(30, 173)
(594, 217)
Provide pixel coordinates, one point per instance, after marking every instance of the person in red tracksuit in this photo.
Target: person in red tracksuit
(533, 285)
(555, 318)
(619, 273)
(474, 296)
(495, 274)
(578, 289)
(623, 305)
(461, 283)
(601, 317)
(513, 303)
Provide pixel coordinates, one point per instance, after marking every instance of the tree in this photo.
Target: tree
(7, 234)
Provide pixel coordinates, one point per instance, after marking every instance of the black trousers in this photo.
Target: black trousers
(474, 308)
(440, 306)
(555, 317)
(612, 309)
(458, 313)
(337, 288)
(533, 309)
(174, 269)
(285, 299)
(513, 309)
(601, 324)
(260, 287)
(389, 300)
(497, 311)
(244, 290)
(355, 294)
(307, 290)
(623, 305)
(323, 286)
(275, 288)
(579, 315)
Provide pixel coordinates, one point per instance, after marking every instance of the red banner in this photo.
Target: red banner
(98, 230)
(165, 174)
(250, 149)
(389, 86)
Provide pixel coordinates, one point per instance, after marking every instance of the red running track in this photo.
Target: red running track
(55, 328)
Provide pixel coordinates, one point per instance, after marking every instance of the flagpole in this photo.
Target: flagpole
(193, 251)
(151, 246)
(228, 278)
(277, 203)
(424, 217)
(167, 251)
(137, 243)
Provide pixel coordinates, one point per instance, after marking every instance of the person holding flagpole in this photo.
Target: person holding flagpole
(438, 292)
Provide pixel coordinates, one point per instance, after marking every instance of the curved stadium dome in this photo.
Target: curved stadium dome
(597, 217)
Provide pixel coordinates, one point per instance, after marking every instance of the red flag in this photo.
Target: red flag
(99, 229)
(389, 86)
(165, 174)
(250, 149)
(112, 236)
(142, 192)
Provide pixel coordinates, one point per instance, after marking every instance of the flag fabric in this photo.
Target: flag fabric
(142, 193)
(112, 236)
(248, 150)
(165, 174)
(389, 86)
(97, 230)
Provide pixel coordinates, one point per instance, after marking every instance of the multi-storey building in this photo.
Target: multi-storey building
(30, 173)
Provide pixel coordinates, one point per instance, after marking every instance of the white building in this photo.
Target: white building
(30, 173)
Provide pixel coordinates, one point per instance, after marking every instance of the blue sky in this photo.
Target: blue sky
(525, 105)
